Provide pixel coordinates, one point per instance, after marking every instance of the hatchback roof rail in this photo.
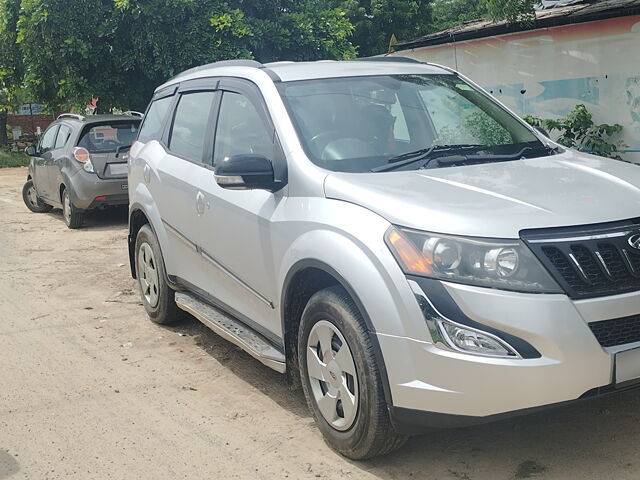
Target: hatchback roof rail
(390, 59)
(133, 113)
(70, 115)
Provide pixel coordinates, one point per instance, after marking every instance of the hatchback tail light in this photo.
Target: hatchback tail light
(83, 156)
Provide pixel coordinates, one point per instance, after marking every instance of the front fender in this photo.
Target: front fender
(367, 270)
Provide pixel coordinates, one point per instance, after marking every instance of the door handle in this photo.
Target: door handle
(146, 171)
(200, 203)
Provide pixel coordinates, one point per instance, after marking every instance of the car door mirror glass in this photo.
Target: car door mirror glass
(245, 172)
(31, 150)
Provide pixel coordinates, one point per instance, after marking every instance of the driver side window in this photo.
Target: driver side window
(241, 130)
(48, 138)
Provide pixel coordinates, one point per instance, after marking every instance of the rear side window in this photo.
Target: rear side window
(108, 137)
(154, 119)
(63, 136)
(191, 124)
(48, 139)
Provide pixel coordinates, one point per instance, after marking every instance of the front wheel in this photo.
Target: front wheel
(32, 200)
(341, 378)
(73, 217)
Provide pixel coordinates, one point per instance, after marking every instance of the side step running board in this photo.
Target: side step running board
(232, 330)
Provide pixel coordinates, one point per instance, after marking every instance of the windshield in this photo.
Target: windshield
(108, 137)
(358, 124)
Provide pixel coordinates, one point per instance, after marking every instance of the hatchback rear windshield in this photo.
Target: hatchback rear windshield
(106, 138)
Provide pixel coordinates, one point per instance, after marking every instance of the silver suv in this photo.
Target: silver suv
(388, 234)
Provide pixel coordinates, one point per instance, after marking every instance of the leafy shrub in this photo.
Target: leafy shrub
(578, 130)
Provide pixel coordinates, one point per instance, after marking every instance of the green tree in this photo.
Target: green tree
(513, 11)
(450, 13)
(375, 21)
(66, 51)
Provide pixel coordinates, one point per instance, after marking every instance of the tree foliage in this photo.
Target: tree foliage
(513, 11)
(449, 13)
(578, 130)
(66, 51)
(375, 21)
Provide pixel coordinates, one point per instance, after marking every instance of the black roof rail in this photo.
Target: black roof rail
(390, 59)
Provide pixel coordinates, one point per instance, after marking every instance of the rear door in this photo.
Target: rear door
(56, 158)
(178, 166)
(42, 161)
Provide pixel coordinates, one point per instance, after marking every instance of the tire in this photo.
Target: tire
(73, 217)
(31, 199)
(159, 302)
(332, 315)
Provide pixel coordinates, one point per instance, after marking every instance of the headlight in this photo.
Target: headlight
(505, 264)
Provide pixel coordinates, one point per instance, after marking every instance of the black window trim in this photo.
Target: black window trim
(208, 84)
(58, 133)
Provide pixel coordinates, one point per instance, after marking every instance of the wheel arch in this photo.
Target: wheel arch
(137, 219)
(303, 279)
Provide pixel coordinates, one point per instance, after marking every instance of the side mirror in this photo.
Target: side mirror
(245, 172)
(31, 150)
(542, 131)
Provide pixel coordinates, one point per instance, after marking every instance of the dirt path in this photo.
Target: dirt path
(89, 388)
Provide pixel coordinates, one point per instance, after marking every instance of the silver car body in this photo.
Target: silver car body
(243, 247)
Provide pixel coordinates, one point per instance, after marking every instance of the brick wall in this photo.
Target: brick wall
(30, 123)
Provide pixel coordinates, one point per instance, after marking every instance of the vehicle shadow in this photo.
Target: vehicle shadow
(237, 361)
(589, 439)
(98, 220)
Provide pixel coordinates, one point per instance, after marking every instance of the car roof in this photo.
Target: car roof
(292, 71)
(93, 119)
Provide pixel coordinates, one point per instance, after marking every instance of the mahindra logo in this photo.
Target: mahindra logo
(634, 241)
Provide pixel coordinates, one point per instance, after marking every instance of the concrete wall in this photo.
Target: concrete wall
(547, 72)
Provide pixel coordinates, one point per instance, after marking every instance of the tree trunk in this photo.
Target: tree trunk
(3, 128)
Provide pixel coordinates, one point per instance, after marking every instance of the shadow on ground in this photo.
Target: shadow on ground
(8, 464)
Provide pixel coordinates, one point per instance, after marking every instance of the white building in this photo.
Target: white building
(585, 53)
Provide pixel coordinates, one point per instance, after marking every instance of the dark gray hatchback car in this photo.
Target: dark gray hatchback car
(80, 163)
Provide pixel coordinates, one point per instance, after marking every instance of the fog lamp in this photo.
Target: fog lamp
(473, 341)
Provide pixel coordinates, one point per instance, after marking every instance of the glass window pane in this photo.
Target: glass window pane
(63, 135)
(241, 130)
(154, 119)
(108, 137)
(46, 143)
(190, 125)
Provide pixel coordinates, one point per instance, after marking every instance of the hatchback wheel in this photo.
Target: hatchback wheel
(341, 378)
(73, 217)
(31, 199)
(157, 297)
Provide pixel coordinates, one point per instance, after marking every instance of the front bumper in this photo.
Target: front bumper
(458, 388)
(86, 188)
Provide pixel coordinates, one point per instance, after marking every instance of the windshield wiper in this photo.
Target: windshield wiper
(417, 156)
(453, 159)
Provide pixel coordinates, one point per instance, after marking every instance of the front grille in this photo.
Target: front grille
(590, 261)
(618, 331)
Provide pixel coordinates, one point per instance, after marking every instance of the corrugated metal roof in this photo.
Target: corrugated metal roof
(577, 13)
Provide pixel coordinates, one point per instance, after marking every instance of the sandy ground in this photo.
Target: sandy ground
(90, 388)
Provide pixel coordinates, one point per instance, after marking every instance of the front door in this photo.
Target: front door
(41, 161)
(237, 227)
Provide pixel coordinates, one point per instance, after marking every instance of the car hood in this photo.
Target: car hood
(498, 199)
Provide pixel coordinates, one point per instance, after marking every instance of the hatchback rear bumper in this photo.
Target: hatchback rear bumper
(88, 191)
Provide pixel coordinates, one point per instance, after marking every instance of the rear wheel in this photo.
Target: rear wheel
(341, 378)
(73, 217)
(157, 297)
(32, 200)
